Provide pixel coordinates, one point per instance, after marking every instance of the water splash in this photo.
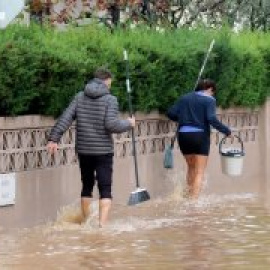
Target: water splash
(70, 217)
(70, 214)
(154, 214)
(177, 179)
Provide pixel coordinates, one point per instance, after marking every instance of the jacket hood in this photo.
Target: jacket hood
(96, 88)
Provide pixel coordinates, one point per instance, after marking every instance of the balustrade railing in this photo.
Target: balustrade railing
(24, 149)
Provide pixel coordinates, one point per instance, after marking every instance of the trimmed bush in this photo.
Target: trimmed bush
(42, 69)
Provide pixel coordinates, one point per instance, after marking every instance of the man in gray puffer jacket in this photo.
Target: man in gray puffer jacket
(97, 117)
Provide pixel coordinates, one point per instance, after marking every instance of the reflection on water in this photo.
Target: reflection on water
(217, 232)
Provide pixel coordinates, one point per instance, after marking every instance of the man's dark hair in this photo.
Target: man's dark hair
(206, 84)
(102, 74)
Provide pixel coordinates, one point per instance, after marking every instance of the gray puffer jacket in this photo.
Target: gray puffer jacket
(96, 113)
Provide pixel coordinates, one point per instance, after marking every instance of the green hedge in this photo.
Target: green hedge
(42, 69)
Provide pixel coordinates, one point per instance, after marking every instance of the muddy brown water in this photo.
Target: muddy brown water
(217, 232)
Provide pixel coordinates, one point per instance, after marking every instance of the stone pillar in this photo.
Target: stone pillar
(265, 149)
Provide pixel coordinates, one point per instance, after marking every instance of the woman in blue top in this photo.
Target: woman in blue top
(195, 112)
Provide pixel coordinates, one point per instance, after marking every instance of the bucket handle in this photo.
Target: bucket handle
(224, 138)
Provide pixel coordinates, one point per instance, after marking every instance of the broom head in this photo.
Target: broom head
(138, 196)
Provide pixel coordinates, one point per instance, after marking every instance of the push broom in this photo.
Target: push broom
(140, 194)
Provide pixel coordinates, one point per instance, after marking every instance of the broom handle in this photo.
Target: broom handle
(204, 62)
(134, 152)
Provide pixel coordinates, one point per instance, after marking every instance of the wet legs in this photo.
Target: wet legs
(195, 173)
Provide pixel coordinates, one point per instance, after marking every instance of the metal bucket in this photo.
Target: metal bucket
(232, 159)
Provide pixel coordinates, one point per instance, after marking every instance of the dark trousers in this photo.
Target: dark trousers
(96, 168)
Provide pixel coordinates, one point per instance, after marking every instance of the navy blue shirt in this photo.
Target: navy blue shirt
(196, 110)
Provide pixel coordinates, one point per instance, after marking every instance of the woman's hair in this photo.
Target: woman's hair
(206, 84)
(199, 86)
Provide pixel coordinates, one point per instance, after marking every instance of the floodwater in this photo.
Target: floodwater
(217, 232)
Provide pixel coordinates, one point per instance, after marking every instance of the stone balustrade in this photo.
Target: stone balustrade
(24, 148)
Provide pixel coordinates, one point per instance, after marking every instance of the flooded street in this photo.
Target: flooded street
(217, 232)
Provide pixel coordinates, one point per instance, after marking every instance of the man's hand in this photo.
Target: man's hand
(132, 121)
(52, 147)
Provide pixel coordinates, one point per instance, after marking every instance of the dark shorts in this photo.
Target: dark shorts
(194, 143)
(96, 168)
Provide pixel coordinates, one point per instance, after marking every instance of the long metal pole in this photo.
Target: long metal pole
(204, 62)
(134, 152)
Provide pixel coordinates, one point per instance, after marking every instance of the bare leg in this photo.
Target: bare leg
(85, 206)
(196, 167)
(104, 208)
(190, 160)
(199, 169)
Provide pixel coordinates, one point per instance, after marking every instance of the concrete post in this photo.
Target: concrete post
(265, 149)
